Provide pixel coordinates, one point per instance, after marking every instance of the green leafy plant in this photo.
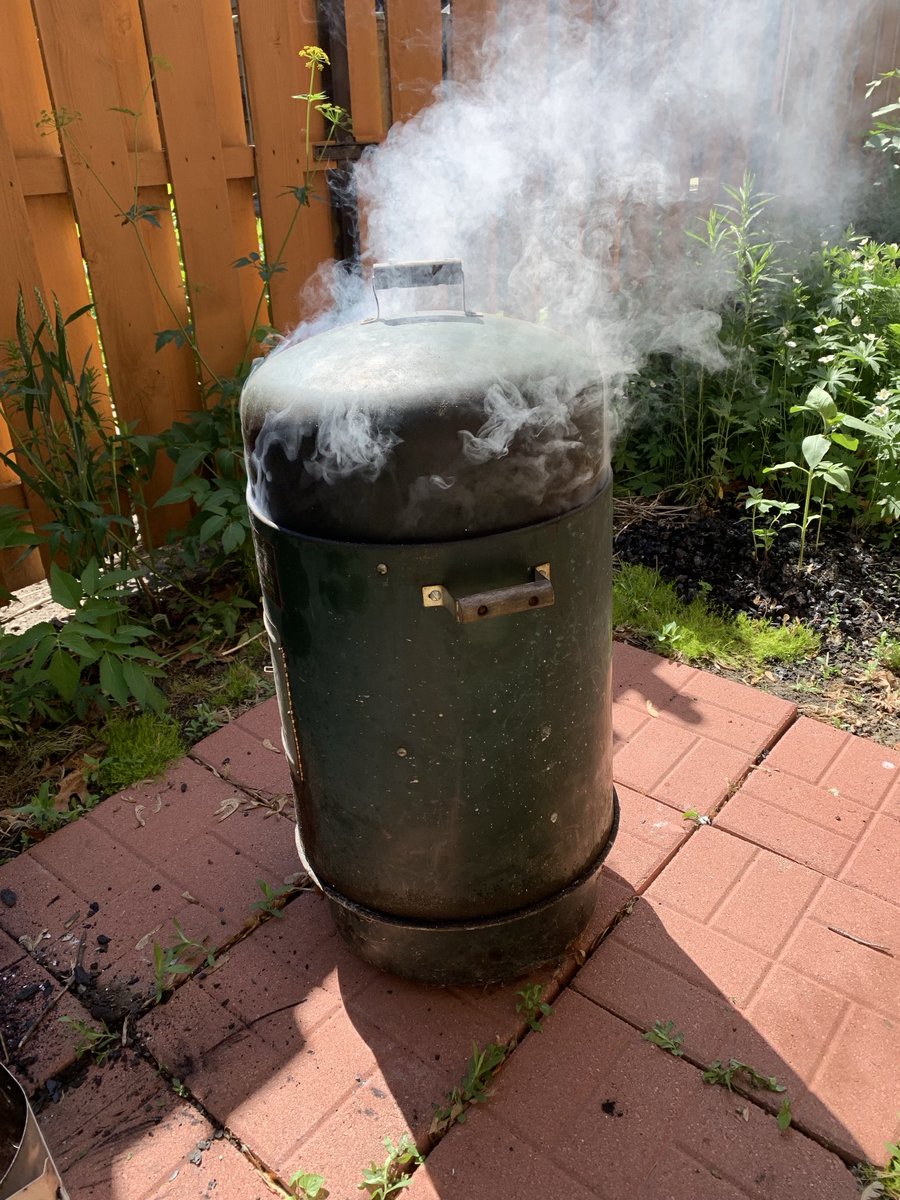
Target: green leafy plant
(666, 1036)
(15, 535)
(271, 903)
(759, 505)
(98, 1042)
(532, 1006)
(785, 1115)
(884, 1181)
(181, 958)
(816, 447)
(54, 670)
(472, 1088)
(693, 814)
(89, 472)
(307, 1186)
(725, 1074)
(388, 1178)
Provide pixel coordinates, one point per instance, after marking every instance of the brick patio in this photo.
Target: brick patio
(290, 1054)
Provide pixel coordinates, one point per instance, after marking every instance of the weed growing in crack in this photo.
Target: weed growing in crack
(883, 1181)
(532, 1006)
(307, 1186)
(725, 1074)
(472, 1088)
(98, 1043)
(181, 959)
(271, 903)
(389, 1178)
(667, 1037)
(785, 1115)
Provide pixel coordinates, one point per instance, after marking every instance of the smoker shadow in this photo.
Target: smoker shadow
(311, 1057)
(650, 978)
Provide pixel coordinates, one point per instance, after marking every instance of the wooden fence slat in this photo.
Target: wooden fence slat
(187, 108)
(415, 54)
(474, 22)
(370, 121)
(81, 40)
(272, 36)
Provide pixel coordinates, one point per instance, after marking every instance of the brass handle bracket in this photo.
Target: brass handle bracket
(497, 602)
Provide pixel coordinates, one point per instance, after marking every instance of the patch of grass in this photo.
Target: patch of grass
(137, 748)
(646, 605)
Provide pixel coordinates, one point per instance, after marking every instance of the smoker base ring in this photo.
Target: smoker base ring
(476, 951)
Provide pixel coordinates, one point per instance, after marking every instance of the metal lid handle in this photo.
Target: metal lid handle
(417, 275)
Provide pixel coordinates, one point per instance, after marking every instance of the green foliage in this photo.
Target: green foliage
(388, 1178)
(308, 1186)
(137, 748)
(56, 670)
(89, 472)
(885, 1179)
(785, 1115)
(44, 813)
(666, 1036)
(271, 903)
(724, 1074)
(97, 1042)
(531, 1005)
(803, 413)
(181, 958)
(645, 604)
(472, 1088)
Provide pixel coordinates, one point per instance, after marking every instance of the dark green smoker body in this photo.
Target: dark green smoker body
(445, 700)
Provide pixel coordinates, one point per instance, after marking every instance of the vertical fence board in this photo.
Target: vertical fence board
(80, 41)
(187, 101)
(272, 37)
(415, 54)
(364, 61)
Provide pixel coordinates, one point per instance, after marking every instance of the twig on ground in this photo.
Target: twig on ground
(862, 941)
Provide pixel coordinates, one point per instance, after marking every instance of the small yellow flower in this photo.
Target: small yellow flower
(315, 56)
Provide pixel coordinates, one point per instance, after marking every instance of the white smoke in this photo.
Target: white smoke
(564, 171)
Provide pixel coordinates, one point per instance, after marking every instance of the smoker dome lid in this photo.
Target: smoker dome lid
(421, 363)
(423, 428)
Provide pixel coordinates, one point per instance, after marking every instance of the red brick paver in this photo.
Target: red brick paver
(731, 942)
(124, 1135)
(591, 1109)
(685, 737)
(37, 1043)
(249, 752)
(151, 854)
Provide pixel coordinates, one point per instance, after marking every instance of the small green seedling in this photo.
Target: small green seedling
(666, 1036)
(308, 1186)
(270, 904)
(389, 1178)
(785, 1116)
(98, 1043)
(693, 814)
(472, 1088)
(181, 959)
(884, 1181)
(718, 1072)
(532, 1006)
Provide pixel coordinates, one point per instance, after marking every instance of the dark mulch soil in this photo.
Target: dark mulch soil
(848, 591)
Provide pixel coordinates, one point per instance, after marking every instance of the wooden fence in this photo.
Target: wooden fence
(202, 74)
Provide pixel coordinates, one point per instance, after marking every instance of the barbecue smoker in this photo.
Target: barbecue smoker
(432, 520)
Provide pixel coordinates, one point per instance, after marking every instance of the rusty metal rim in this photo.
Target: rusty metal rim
(472, 924)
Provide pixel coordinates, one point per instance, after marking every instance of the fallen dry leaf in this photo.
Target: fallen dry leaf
(268, 745)
(139, 810)
(146, 938)
(651, 709)
(227, 807)
(190, 899)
